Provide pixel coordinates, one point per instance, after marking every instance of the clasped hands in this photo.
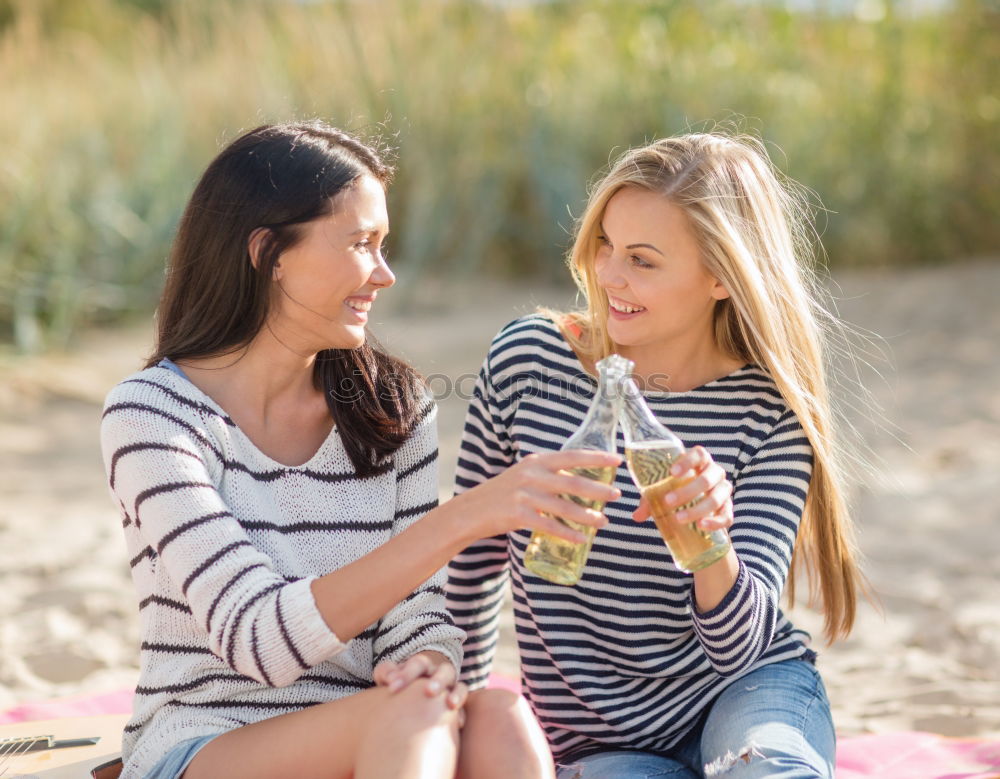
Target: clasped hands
(431, 669)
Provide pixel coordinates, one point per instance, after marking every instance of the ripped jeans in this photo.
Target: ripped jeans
(774, 722)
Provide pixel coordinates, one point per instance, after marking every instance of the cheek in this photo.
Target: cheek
(600, 264)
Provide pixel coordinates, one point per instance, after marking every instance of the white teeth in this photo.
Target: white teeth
(624, 308)
(360, 305)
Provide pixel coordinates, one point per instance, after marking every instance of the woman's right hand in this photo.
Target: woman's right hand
(529, 494)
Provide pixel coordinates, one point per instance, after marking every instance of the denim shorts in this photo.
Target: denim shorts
(773, 722)
(174, 763)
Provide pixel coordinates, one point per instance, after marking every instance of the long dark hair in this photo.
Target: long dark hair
(216, 300)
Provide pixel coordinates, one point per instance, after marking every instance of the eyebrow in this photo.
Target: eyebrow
(365, 229)
(635, 245)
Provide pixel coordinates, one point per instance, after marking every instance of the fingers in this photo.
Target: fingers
(567, 483)
(697, 499)
(560, 517)
(442, 678)
(457, 697)
(565, 508)
(575, 458)
(439, 673)
(697, 475)
(413, 668)
(721, 520)
(713, 511)
(556, 528)
(692, 462)
(705, 492)
(642, 512)
(383, 672)
(550, 473)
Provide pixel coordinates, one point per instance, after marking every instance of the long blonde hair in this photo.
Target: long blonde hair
(752, 226)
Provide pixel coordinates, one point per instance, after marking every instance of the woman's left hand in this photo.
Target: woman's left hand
(708, 484)
(433, 666)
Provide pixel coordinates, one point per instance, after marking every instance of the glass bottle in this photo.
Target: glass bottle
(555, 559)
(650, 450)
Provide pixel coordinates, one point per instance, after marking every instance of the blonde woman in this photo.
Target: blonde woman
(691, 260)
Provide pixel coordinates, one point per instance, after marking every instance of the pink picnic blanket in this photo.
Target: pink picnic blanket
(897, 755)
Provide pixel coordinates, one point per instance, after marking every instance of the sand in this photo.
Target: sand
(927, 514)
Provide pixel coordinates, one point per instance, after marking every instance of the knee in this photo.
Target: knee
(502, 738)
(498, 706)
(412, 709)
(751, 761)
(506, 714)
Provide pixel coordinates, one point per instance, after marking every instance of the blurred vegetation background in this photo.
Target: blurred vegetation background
(501, 114)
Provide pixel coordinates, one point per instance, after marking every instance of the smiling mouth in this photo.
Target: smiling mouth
(624, 308)
(364, 306)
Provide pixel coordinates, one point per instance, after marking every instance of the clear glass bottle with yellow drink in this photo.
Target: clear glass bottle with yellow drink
(552, 558)
(650, 450)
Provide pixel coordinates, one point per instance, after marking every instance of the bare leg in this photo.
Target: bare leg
(369, 735)
(418, 740)
(502, 739)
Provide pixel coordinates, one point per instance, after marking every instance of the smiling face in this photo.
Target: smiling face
(660, 296)
(326, 283)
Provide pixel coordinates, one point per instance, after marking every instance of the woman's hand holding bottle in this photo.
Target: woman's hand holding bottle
(528, 495)
(704, 485)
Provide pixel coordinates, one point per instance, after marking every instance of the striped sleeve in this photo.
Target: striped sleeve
(477, 577)
(421, 621)
(163, 471)
(768, 498)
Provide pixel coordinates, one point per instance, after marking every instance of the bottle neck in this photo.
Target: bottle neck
(607, 403)
(597, 431)
(638, 422)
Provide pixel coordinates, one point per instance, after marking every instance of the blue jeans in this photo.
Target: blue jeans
(774, 722)
(176, 761)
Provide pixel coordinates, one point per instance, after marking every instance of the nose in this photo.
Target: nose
(382, 276)
(608, 270)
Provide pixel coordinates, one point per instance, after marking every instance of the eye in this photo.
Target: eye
(603, 240)
(638, 262)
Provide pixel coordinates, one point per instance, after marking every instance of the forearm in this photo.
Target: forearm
(713, 583)
(359, 594)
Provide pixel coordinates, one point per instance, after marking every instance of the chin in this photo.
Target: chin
(618, 337)
(348, 338)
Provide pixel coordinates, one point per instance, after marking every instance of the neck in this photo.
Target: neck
(264, 372)
(680, 366)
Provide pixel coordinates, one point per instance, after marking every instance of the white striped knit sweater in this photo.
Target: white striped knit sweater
(224, 542)
(623, 660)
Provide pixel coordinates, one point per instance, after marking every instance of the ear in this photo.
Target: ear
(255, 247)
(718, 291)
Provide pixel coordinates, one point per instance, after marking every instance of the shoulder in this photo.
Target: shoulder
(157, 395)
(425, 420)
(767, 418)
(531, 342)
(750, 386)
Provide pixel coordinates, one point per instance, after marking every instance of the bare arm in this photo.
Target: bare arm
(523, 496)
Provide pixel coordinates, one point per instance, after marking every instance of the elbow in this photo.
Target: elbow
(249, 661)
(248, 640)
(278, 677)
(737, 658)
(730, 669)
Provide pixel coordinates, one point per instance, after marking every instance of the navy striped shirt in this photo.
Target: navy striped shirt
(623, 659)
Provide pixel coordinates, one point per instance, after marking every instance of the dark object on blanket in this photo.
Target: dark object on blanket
(23, 745)
(110, 770)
